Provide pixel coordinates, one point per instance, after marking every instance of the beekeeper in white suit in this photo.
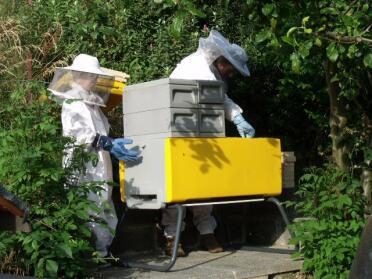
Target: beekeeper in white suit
(83, 120)
(215, 59)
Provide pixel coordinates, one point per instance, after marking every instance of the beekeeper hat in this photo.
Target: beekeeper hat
(216, 45)
(86, 63)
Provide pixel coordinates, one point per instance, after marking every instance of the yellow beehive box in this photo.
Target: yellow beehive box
(216, 168)
(178, 170)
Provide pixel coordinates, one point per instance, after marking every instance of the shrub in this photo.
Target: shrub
(31, 150)
(333, 201)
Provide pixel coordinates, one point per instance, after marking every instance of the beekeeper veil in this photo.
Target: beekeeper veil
(216, 45)
(82, 81)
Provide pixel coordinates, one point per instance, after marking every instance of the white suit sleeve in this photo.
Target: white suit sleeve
(194, 67)
(231, 109)
(77, 123)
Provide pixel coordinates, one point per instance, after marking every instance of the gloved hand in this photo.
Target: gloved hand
(103, 142)
(244, 128)
(116, 148)
(121, 153)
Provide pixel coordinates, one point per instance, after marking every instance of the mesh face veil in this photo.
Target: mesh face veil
(91, 88)
(216, 45)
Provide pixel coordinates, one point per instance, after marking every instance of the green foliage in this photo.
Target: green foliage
(334, 209)
(288, 44)
(119, 33)
(183, 10)
(31, 150)
(328, 44)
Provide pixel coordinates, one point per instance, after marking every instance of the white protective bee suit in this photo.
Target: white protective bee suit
(82, 119)
(199, 66)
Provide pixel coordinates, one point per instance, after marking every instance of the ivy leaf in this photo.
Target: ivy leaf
(296, 63)
(85, 231)
(318, 42)
(305, 20)
(52, 268)
(332, 52)
(350, 21)
(304, 49)
(40, 263)
(291, 30)
(267, 9)
(368, 60)
(334, 78)
(34, 245)
(273, 23)
(66, 250)
(274, 43)
(351, 52)
(94, 35)
(193, 10)
(176, 26)
(262, 36)
(329, 10)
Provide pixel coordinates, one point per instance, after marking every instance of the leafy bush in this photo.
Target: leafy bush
(333, 204)
(289, 46)
(31, 150)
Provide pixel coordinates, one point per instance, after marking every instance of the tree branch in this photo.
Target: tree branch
(366, 30)
(346, 39)
(350, 6)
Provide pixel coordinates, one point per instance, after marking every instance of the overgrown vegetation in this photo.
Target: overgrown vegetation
(311, 87)
(328, 237)
(31, 149)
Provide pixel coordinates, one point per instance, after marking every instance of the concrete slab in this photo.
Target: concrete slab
(247, 262)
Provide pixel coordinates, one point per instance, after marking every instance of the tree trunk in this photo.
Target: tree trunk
(337, 120)
(366, 176)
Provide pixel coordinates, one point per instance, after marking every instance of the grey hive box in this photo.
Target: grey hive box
(174, 108)
(175, 120)
(173, 93)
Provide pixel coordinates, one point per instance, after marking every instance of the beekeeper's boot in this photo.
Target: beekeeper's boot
(210, 243)
(170, 245)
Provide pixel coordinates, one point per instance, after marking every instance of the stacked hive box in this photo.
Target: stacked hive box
(179, 128)
(174, 108)
(161, 109)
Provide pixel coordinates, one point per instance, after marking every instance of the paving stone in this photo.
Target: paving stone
(248, 262)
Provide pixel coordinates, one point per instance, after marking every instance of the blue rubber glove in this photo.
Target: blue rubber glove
(116, 148)
(121, 153)
(244, 128)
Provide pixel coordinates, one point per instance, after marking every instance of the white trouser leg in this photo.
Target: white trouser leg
(103, 238)
(203, 220)
(103, 235)
(169, 221)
